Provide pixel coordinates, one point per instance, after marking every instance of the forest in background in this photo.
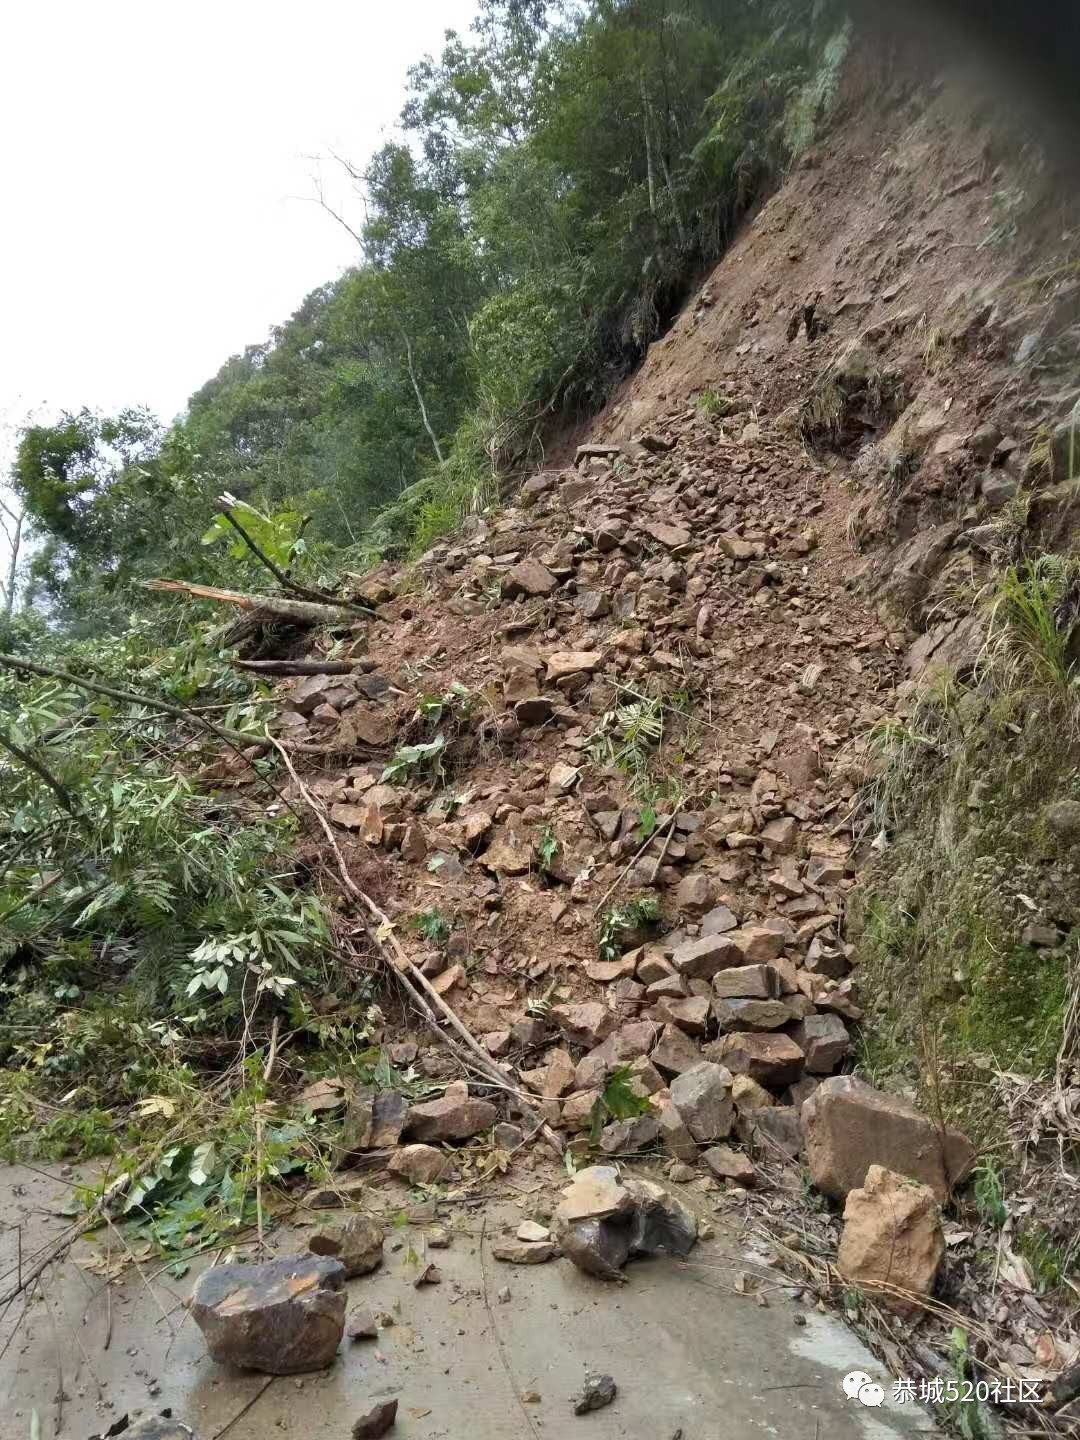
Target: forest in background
(558, 179)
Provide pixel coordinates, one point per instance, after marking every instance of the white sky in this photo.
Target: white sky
(154, 156)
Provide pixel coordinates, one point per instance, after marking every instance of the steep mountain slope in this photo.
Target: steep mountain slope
(627, 739)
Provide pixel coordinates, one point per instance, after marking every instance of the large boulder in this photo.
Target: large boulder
(849, 1126)
(283, 1318)
(661, 1224)
(598, 1247)
(825, 1042)
(528, 577)
(455, 1115)
(702, 1096)
(892, 1239)
(602, 1221)
(373, 1121)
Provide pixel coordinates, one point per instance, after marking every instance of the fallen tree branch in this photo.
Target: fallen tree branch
(297, 667)
(419, 987)
(128, 697)
(280, 607)
(282, 576)
(44, 774)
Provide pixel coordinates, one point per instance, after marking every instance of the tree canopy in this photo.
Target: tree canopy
(559, 178)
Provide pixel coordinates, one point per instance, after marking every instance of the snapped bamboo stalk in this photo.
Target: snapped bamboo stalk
(280, 607)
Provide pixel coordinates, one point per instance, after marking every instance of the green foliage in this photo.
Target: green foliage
(153, 917)
(619, 921)
(414, 762)
(1050, 1262)
(564, 175)
(456, 704)
(1035, 619)
(628, 735)
(713, 405)
(547, 847)
(432, 925)
(948, 973)
(278, 536)
(617, 1101)
(989, 1192)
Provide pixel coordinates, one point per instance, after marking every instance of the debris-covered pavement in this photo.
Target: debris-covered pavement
(686, 1350)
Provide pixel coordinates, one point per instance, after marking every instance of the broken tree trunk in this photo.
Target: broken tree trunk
(297, 667)
(280, 607)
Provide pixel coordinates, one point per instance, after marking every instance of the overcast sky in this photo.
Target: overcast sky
(155, 157)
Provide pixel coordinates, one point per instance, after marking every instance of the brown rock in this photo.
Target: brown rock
(419, 1164)
(775, 1128)
(508, 854)
(702, 959)
(605, 971)
(630, 1136)
(675, 1052)
(773, 1060)
(718, 921)
(749, 1095)
(740, 1014)
(523, 1252)
(564, 663)
(361, 1324)
(578, 1108)
(358, 1244)
(598, 1247)
(674, 537)
(757, 944)
(728, 1164)
(780, 835)
(674, 1135)
(824, 1041)
(691, 1014)
(376, 1421)
(586, 1024)
(695, 893)
(892, 1239)
(747, 982)
(283, 1318)
(456, 1115)
(554, 1078)
(653, 965)
(849, 1126)
(533, 710)
(528, 577)
(702, 1096)
(595, 1193)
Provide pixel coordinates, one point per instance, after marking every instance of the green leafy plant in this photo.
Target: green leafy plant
(547, 847)
(617, 921)
(617, 1101)
(456, 704)
(989, 1193)
(413, 762)
(432, 925)
(277, 535)
(713, 405)
(1034, 619)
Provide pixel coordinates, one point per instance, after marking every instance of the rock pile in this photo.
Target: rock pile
(687, 575)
